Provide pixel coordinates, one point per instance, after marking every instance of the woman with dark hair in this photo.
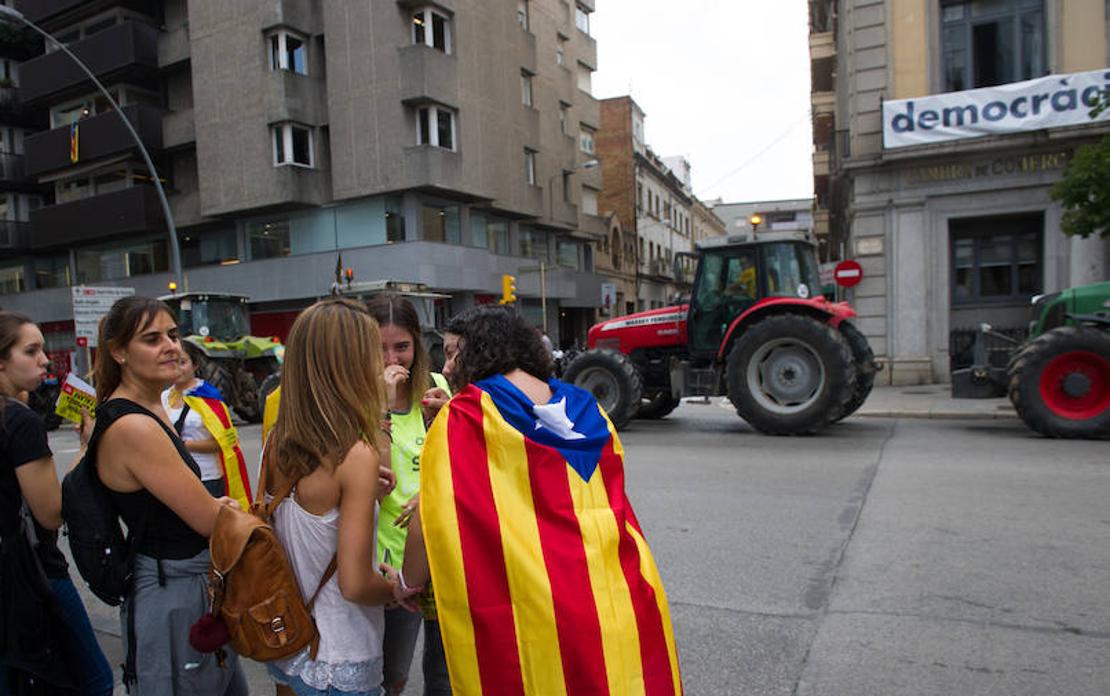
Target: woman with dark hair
(202, 419)
(408, 378)
(543, 579)
(155, 485)
(28, 476)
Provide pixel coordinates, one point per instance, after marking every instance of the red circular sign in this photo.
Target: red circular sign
(848, 273)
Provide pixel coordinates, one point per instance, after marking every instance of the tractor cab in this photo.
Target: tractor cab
(422, 299)
(734, 274)
(223, 317)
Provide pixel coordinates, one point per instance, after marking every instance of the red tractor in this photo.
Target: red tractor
(756, 329)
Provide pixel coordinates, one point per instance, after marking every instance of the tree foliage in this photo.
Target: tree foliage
(1084, 191)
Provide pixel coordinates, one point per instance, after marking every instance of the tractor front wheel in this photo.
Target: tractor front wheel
(790, 374)
(1060, 382)
(613, 380)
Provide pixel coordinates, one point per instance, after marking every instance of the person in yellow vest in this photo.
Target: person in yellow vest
(203, 421)
(415, 395)
(270, 412)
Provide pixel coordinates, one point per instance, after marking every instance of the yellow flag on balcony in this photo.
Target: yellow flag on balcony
(73, 144)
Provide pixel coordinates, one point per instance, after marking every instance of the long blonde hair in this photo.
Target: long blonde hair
(332, 393)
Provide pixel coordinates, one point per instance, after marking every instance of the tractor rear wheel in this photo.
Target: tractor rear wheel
(865, 368)
(658, 405)
(790, 374)
(247, 390)
(1060, 382)
(613, 380)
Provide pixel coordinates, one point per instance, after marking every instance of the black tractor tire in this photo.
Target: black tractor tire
(1060, 382)
(865, 370)
(247, 397)
(658, 405)
(613, 380)
(790, 374)
(221, 375)
(272, 382)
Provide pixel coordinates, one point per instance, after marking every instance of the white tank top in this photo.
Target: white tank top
(350, 655)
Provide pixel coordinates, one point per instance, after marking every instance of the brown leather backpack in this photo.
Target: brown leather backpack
(252, 585)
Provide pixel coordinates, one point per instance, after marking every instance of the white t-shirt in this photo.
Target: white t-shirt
(209, 462)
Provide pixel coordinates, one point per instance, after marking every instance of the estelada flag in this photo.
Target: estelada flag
(74, 143)
(207, 401)
(543, 581)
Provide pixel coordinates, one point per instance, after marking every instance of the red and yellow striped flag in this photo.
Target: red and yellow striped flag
(544, 584)
(217, 421)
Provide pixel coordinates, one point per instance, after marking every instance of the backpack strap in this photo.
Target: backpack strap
(328, 572)
(179, 424)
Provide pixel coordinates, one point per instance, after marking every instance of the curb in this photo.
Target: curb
(939, 415)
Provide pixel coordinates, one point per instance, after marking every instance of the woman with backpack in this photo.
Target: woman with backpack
(27, 475)
(415, 394)
(156, 487)
(326, 444)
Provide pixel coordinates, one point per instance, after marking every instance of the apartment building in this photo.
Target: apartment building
(652, 198)
(446, 143)
(19, 193)
(940, 127)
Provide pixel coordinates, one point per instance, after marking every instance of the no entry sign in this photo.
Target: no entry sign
(848, 273)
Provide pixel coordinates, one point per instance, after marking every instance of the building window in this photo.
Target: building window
(287, 52)
(533, 243)
(122, 260)
(526, 87)
(209, 248)
(431, 28)
(586, 139)
(996, 260)
(639, 195)
(11, 279)
(292, 145)
(51, 271)
(269, 240)
(530, 166)
(564, 118)
(394, 220)
(582, 19)
(566, 254)
(991, 42)
(560, 50)
(441, 224)
(435, 126)
(522, 14)
(585, 78)
(589, 201)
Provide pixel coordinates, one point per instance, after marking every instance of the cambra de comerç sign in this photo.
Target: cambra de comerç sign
(1047, 102)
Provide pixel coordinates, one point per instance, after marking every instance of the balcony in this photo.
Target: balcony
(823, 102)
(434, 167)
(12, 170)
(100, 136)
(428, 75)
(129, 211)
(822, 45)
(125, 52)
(14, 235)
(821, 160)
(39, 11)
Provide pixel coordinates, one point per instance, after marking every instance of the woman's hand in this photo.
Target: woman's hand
(85, 428)
(230, 502)
(387, 481)
(402, 594)
(433, 400)
(407, 511)
(394, 375)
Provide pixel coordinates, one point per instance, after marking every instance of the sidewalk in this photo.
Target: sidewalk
(931, 401)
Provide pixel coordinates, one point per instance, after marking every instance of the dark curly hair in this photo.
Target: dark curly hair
(494, 340)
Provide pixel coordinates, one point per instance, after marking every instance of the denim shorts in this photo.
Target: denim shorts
(301, 689)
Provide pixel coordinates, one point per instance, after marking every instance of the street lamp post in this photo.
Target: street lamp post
(11, 13)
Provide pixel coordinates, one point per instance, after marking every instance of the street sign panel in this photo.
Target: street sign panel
(89, 305)
(608, 295)
(848, 273)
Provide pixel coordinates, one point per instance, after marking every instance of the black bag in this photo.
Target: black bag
(38, 645)
(103, 555)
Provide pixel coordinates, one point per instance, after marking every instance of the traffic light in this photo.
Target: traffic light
(508, 289)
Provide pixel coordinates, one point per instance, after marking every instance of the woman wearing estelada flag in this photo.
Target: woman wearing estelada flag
(544, 582)
(202, 419)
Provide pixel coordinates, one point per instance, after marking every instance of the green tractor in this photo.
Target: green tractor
(1059, 377)
(234, 362)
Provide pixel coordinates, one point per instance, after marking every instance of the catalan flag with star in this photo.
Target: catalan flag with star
(543, 581)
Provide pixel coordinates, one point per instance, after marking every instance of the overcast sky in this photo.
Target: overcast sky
(723, 82)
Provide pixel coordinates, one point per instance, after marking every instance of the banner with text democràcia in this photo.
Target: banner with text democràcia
(1046, 102)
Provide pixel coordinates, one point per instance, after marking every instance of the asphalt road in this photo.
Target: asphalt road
(883, 557)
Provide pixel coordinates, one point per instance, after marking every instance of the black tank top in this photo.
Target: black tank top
(166, 536)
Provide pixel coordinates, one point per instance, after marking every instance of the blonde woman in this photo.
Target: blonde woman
(327, 439)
